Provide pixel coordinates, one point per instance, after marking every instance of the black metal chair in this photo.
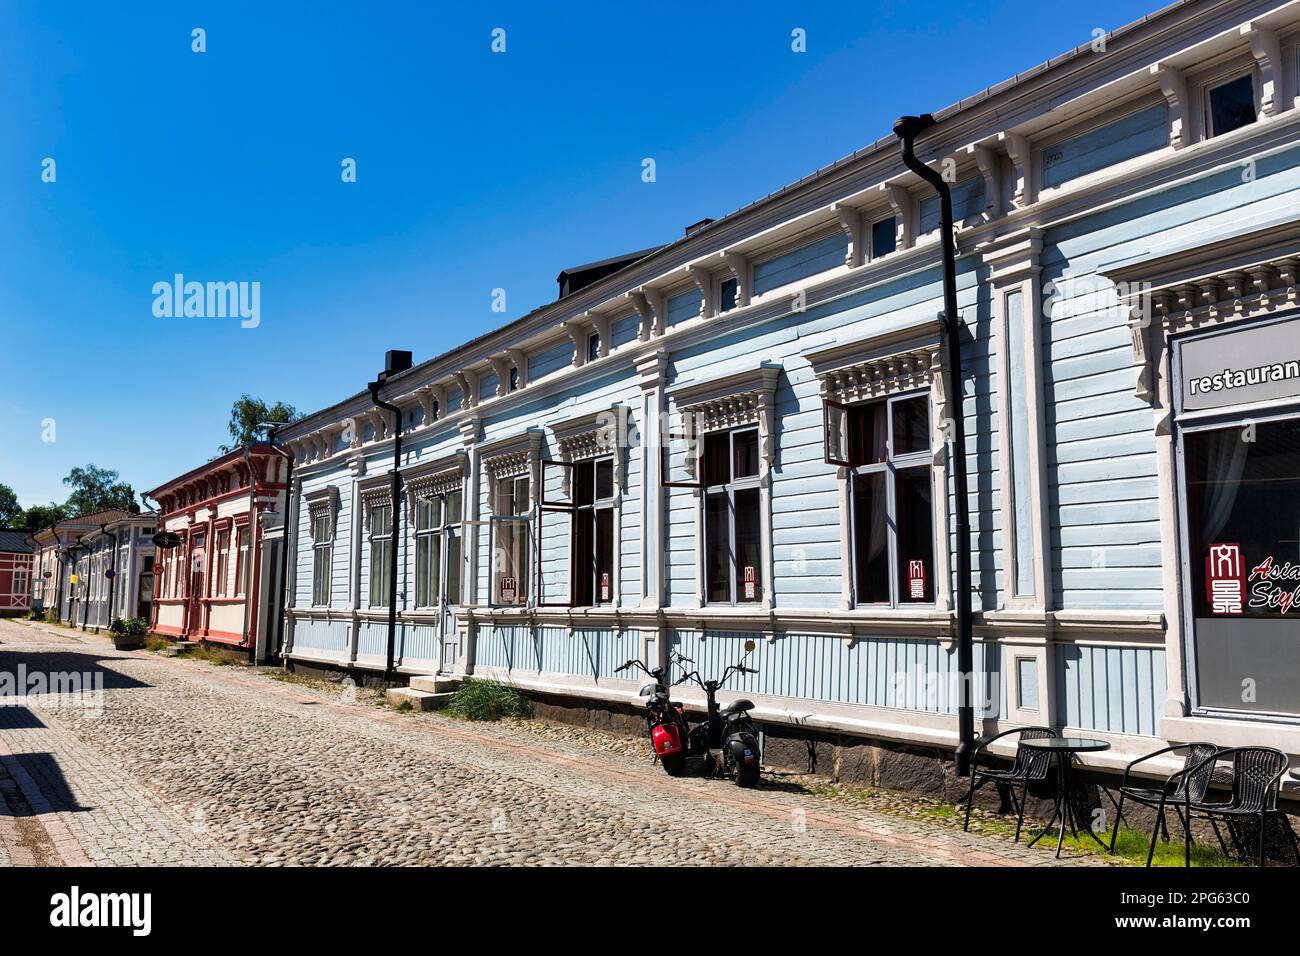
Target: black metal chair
(1256, 777)
(1029, 765)
(1176, 788)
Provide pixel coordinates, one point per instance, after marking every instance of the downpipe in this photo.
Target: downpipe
(396, 521)
(907, 128)
(278, 650)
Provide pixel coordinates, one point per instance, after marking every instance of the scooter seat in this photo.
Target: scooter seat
(738, 706)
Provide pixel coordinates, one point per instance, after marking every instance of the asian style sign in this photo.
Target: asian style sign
(916, 580)
(1231, 589)
(1225, 582)
(751, 583)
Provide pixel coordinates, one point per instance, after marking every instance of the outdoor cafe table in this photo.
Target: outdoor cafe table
(1064, 749)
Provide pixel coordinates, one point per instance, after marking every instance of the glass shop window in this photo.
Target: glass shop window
(1242, 493)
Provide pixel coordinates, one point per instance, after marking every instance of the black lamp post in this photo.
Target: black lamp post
(907, 129)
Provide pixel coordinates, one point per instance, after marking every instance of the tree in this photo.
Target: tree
(11, 512)
(42, 516)
(97, 489)
(248, 412)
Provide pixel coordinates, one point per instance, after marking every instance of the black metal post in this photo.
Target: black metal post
(396, 523)
(284, 544)
(907, 129)
(112, 582)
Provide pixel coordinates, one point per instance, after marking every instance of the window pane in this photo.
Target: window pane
(593, 347)
(867, 434)
(1232, 105)
(510, 563)
(453, 507)
(584, 563)
(717, 458)
(423, 588)
(746, 453)
(915, 515)
(911, 425)
(605, 479)
(717, 548)
(870, 538)
(435, 568)
(884, 238)
(749, 582)
(453, 569)
(379, 552)
(583, 483)
(604, 555)
(728, 294)
(423, 514)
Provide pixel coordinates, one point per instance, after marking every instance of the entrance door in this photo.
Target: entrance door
(449, 598)
(194, 606)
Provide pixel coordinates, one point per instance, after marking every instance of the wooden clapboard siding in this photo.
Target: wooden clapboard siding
(1115, 689)
(1141, 132)
(902, 673)
(806, 260)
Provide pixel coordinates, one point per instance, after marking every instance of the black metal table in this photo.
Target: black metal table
(1063, 750)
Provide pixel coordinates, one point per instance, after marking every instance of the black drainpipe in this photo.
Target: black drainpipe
(906, 129)
(397, 511)
(112, 582)
(284, 545)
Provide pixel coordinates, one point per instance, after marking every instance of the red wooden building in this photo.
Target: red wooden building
(217, 584)
(16, 558)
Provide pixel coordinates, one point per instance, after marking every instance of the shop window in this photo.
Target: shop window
(885, 447)
(732, 518)
(1232, 105)
(322, 559)
(381, 549)
(1242, 492)
(511, 549)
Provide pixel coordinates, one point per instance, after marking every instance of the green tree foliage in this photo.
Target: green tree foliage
(42, 516)
(97, 489)
(247, 413)
(11, 512)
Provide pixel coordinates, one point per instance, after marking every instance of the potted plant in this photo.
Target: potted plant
(128, 634)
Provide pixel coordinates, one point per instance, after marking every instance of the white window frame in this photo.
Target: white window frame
(322, 559)
(381, 540)
(729, 489)
(522, 521)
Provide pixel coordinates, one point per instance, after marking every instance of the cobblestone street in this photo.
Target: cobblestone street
(186, 762)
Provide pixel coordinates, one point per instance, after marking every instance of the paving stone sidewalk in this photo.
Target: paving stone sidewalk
(180, 761)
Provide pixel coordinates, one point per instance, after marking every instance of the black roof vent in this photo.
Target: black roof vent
(579, 277)
(697, 226)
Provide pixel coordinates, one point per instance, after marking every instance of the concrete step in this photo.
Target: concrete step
(418, 699)
(434, 685)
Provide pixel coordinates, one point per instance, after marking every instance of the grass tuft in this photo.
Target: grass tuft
(488, 700)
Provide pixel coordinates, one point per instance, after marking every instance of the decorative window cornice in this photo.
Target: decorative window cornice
(882, 365)
(435, 478)
(1240, 278)
(594, 435)
(744, 398)
(322, 503)
(512, 456)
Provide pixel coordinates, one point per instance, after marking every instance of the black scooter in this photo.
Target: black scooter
(727, 739)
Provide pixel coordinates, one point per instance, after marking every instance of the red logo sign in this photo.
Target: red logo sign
(509, 588)
(604, 586)
(916, 580)
(751, 583)
(1225, 579)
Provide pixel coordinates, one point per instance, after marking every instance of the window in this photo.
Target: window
(510, 540)
(1232, 105)
(381, 549)
(21, 584)
(593, 532)
(241, 562)
(732, 518)
(223, 561)
(593, 346)
(322, 558)
(1242, 490)
(437, 550)
(886, 447)
(514, 378)
(436, 409)
(884, 237)
(727, 294)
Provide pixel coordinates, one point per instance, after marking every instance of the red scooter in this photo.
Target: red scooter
(727, 739)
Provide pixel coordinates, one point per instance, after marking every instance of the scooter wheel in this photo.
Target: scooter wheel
(674, 764)
(747, 775)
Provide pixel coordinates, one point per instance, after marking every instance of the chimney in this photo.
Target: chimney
(697, 226)
(396, 360)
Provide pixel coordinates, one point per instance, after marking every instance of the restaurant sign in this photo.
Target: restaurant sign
(1240, 366)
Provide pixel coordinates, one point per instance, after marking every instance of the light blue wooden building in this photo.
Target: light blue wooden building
(734, 446)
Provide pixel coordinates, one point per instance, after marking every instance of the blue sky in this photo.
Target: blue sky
(475, 171)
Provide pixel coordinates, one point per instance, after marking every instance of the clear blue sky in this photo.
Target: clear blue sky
(474, 171)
